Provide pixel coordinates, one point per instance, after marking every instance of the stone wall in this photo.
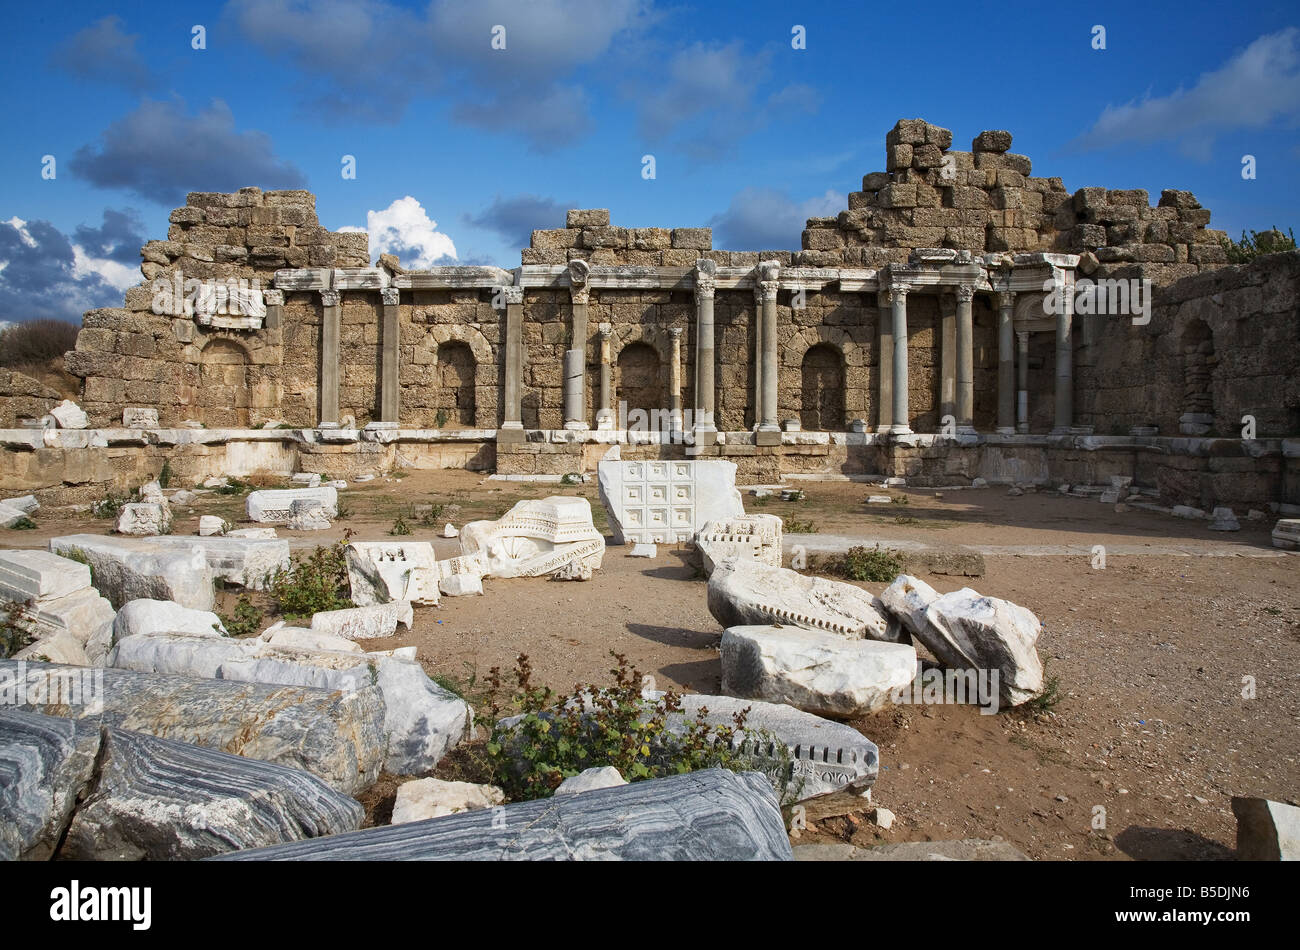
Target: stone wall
(22, 397)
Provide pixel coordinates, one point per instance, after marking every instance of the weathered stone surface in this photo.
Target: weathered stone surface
(308, 515)
(668, 501)
(37, 575)
(1224, 520)
(427, 798)
(139, 418)
(69, 415)
(364, 623)
(1266, 830)
(384, 571)
(460, 576)
(160, 800)
(211, 526)
(965, 849)
(1286, 534)
(45, 764)
(711, 815)
(754, 536)
(303, 638)
(825, 756)
(272, 506)
(146, 617)
(966, 631)
(747, 592)
(58, 647)
(535, 537)
(591, 779)
(822, 673)
(907, 599)
(240, 561)
(333, 734)
(142, 519)
(575, 570)
(422, 721)
(126, 569)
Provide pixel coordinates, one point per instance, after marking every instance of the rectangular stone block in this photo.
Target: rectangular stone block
(587, 218)
(32, 575)
(273, 506)
(699, 239)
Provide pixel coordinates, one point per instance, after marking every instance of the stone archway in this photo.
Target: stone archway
(638, 378)
(821, 374)
(456, 396)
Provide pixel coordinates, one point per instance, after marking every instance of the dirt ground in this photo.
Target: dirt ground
(1153, 655)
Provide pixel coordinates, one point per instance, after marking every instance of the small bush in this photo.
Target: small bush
(23, 524)
(877, 564)
(900, 500)
(344, 511)
(800, 526)
(13, 635)
(233, 486)
(440, 419)
(571, 478)
(1258, 243)
(245, 621)
(432, 516)
(400, 526)
(314, 582)
(165, 476)
(111, 504)
(36, 342)
(559, 736)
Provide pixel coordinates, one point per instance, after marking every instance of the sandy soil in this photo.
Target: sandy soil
(1150, 655)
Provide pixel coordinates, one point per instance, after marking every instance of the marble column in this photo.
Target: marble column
(1065, 357)
(605, 415)
(1006, 364)
(885, 364)
(512, 424)
(898, 300)
(274, 301)
(1022, 370)
(675, 379)
(947, 356)
(705, 288)
(389, 385)
(765, 290)
(575, 363)
(332, 303)
(965, 359)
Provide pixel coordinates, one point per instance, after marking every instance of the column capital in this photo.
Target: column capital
(706, 285)
(965, 293)
(273, 298)
(675, 333)
(887, 295)
(512, 294)
(331, 298)
(1022, 336)
(391, 296)
(1006, 298)
(580, 294)
(606, 330)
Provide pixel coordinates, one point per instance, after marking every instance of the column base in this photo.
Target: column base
(1022, 428)
(511, 432)
(900, 430)
(767, 437)
(578, 426)
(380, 424)
(705, 435)
(1006, 430)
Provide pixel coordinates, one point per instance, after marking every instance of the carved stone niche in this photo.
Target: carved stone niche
(231, 304)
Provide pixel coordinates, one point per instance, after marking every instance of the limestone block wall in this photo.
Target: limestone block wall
(221, 375)
(22, 397)
(1226, 343)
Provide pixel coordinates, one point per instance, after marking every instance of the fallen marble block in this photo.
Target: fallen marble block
(746, 592)
(273, 506)
(535, 537)
(589, 780)
(644, 549)
(710, 815)
(575, 570)
(449, 531)
(965, 631)
(306, 479)
(147, 617)
(151, 493)
(11, 516)
(27, 504)
(36, 575)
(253, 534)
(308, 516)
(334, 734)
(240, 561)
(69, 415)
(822, 755)
(427, 798)
(302, 638)
(663, 502)
(422, 721)
(211, 526)
(817, 672)
(46, 763)
(79, 616)
(1286, 534)
(383, 571)
(1266, 830)
(127, 569)
(460, 576)
(160, 800)
(183, 498)
(757, 537)
(907, 599)
(364, 623)
(142, 519)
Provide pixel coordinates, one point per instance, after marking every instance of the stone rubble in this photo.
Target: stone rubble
(426, 798)
(384, 571)
(536, 537)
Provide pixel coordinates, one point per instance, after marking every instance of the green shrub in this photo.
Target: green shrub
(800, 526)
(430, 517)
(400, 526)
(314, 582)
(165, 476)
(13, 634)
(440, 419)
(559, 736)
(111, 504)
(877, 564)
(571, 478)
(23, 524)
(233, 486)
(1258, 243)
(245, 621)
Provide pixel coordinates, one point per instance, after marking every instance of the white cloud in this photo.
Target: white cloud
(114, 273)
(1259, 85)
(765, 219)
(406, 230)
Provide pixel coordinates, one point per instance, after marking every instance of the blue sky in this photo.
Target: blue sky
(461, 149)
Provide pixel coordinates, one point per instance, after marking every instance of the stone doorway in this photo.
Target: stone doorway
(455, 382)
(640, 380)
(822, 383)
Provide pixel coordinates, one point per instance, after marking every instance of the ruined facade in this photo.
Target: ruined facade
(954, 295)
